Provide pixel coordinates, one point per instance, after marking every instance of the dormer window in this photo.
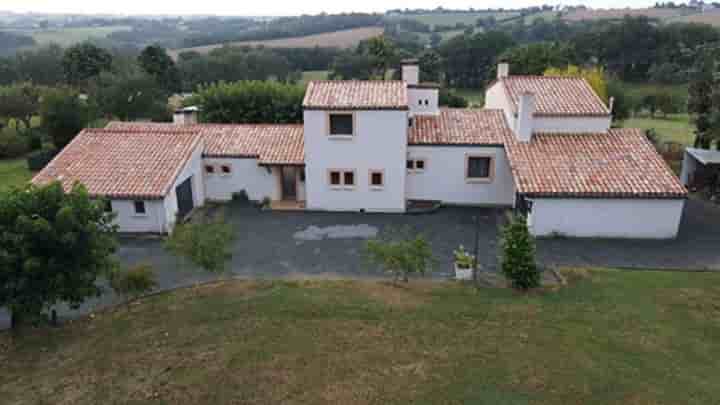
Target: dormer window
(341, 124)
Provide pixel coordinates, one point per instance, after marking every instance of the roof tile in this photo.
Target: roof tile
(460, 126)
(356, 95)
(556, 96)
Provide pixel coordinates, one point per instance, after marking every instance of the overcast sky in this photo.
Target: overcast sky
(274, 7)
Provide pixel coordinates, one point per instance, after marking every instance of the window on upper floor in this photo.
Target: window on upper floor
(225, 169)
(479, 168)
(341, 124)
(209, 169)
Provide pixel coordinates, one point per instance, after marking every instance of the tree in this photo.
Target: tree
(535, 59)
(53, 247)
(450, 99)
(250, 102)
(84, 61)
(702, 98)
(594, 76)
(382, 52)
(622, 104)
(134, 282)
(129, 96)
(63, 115)
(41, 66)
(470, 61)
(400, 255)
(204, 244)
(155, 61)
(352, 66)
(518, 254)
(20, 102)
(430, 65)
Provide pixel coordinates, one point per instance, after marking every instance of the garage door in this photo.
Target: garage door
(184, 197)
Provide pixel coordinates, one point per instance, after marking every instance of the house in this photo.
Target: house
(542, 145)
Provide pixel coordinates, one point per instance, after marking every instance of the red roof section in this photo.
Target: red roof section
(122, 164)
(460, 127)
(556, 96)
(621, 163)
(356, 95)
(269, 143)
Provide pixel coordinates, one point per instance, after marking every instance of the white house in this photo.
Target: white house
(542, 145)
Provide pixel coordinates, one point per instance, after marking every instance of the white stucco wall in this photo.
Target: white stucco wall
(379, 143)
(689, 166)
(495, 98)
(246, 174)
(444, 176)
(127, 221)
(193, 168)
(417, 98)
(606, 218)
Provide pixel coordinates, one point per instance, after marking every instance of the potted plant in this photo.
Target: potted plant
(463, 264)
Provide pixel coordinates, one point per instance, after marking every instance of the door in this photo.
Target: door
(184, 197)
(289, 187)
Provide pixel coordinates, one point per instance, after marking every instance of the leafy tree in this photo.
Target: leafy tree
(622, 105)
(53, 247)
(20, 102)
(84, 61)
(64, 115)
(352, 66)
(518, 254)
(594, 76)
(450, 99)
(155, 61)
(400, 255)
(129, 96)
(703, 98)
(430, 65)
(12, 144)
(470, 61)
(382, 52)
(535, 59)
(204, 244)
(41, 66)
(250, 102)
(134, 282)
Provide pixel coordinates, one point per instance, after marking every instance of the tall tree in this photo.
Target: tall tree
(382, 52)
(155, 61)
(63, 115)
(534, 59)
(470, 61)
(703, 99)
(430, 67)
(129, 96)
(53, 247)
(84, 61)
(20, 102)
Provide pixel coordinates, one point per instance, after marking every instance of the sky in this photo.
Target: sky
(275, 7)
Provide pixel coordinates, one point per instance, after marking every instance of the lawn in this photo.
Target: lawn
(475, 97)
(309, 75)
(13, 172)
(611, 337)
(674, 128)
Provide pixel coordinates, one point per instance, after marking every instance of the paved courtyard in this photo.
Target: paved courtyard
(330, 245)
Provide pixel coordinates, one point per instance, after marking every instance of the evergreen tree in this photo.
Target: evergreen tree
(518, 254)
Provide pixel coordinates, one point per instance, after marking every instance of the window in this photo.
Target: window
(427, 102)
(377, 179)
(419, 102)
(209, 169)
(479, 168)
(341, 124)
(334, 178)
(415, 165)
(139, 207)
(225, 169)
(341, 178)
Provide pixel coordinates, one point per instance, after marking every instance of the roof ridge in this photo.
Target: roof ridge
(138, 130)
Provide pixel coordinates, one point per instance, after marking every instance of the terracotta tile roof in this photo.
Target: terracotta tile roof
(122, 164)
(269, 143)
(460, 127)
(621, 163)
(356, 95)
(556, 96)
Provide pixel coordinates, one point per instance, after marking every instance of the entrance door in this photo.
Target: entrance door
(184, 197)
(289, 187)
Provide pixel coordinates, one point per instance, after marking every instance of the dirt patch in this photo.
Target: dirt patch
(401, 295)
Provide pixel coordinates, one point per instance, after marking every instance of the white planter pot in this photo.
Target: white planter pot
(463, 274)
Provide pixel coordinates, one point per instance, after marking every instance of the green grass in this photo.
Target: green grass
(611, 337)
(309, 75)
(475, 97)
(69, 36)
(14, 172)
(675, 128)
(638, 90)
(454, 18)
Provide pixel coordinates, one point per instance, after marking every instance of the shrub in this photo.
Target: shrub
(400, 255)
(34, 140)
(205, 244)
(134, 282)
(40, 158)
(518, 254)
(463, 259)
(12, 144)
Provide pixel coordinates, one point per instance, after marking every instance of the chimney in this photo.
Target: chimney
(524, 123)
(186, 116)
(411, 71)
(503, 70)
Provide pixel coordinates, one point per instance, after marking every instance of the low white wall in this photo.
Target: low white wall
(606, 218)
(571, 124)
(496, 98)
(127, 221)
(444, 176)
(193, 168)
(245, 175)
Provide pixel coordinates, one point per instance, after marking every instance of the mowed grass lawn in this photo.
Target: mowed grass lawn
(675, 128)
(611, 337)
(13, 172)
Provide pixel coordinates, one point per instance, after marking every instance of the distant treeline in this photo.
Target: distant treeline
(10, 42)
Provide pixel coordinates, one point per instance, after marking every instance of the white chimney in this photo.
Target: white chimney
(524, 123)
(503, 70)
(186, 116)
(411, 72)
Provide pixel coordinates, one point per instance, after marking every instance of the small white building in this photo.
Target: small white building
(542, 145)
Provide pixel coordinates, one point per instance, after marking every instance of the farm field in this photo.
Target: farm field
(710, 17)
(13, 172)
(338, 39)
(69, 36)
(603, 14)
(609, 337)
(454, 18)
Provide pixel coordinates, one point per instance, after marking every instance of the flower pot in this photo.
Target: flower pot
(463, 273)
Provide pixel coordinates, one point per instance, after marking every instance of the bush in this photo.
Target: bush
(134, 282)
(205, 244)
(452, 100)
(400, 255)
(12, 144)
(518, 254)
(34, 140)
(40, 158)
